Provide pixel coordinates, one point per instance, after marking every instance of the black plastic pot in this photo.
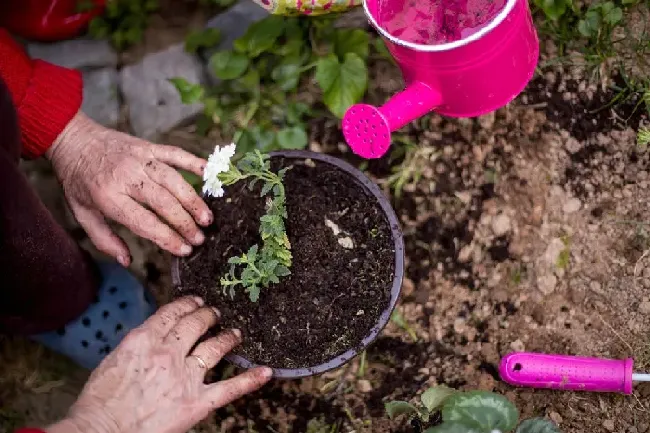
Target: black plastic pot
(383, 319)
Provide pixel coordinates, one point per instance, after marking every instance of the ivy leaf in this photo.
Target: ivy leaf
(553, 9)
(189, 92)
(452, 427)
(590, 25)
(202, 39)
(434, 397)
(537, 425)
(228, 65)
(612, 14)
(343, 84)
(397, 408)
(293, 137)
(261, 36)
(481, 410)
(355, 41)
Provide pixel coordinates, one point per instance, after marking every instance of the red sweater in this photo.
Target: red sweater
(46, 96)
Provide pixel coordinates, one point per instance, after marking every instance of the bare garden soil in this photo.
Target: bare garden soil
(528, 230)
(342, 271)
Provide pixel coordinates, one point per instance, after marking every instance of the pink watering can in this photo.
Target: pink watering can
(461, 58)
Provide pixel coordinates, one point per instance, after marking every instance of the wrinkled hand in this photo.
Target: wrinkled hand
(107, 174)
(149, 384)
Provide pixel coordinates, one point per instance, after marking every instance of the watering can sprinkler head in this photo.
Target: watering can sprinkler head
(468, 77)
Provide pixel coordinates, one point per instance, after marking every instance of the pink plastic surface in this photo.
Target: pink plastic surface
(468, 80)
(567, 372)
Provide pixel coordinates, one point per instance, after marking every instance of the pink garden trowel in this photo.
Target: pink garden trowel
(571, 373)
(461, 58)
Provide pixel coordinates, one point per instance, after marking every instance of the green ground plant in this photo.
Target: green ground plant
(467, 412)
(257, 100)
(124, 21)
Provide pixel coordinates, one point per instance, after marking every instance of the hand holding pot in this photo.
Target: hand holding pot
(105, 173)
(153, 381)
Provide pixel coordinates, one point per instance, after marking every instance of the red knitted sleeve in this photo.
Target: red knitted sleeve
(46, 96)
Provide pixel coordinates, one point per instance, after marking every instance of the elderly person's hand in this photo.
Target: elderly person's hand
(153, 381)
(107, 174)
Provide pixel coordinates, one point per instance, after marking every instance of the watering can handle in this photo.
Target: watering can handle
(538, 370)
(367, 128)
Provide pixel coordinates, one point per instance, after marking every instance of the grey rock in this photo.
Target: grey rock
(154, 104)
(101, 96)
(233, 23)
(76, 53)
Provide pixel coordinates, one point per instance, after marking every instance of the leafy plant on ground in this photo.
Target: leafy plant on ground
(468, 412)
(257, 99)
(260, 267)
(643, 136)
(124, 21)
(588, 28)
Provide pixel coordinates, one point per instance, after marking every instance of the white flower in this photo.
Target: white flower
(218, 162)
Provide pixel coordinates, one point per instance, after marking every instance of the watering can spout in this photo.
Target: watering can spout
(367, 128)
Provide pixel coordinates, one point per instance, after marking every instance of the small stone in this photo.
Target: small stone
(459, 325)
(346, 243)
(465, 253)
(609, 425)
(571, 206)
(555, 417)
(100, 96)
(154, 104)
(407, 286)
(518, 346)
(546, 283)
(76, 53)
(644, 307)
(332, 226)
(364, 386)
(501, 224)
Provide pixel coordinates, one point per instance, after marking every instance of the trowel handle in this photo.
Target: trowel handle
(367, 128)
(563, 372)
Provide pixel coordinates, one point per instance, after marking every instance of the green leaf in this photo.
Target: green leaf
(434, 397)
(252, 253)
(537, 425)
(228, 65)
(253, 293)
(261, 36)
(202, 39)
(282, 271)
(590, 25)
(293, 137)
(266, 189)
(481, 410)
(234, 260)
(553, 9)
(287, 73)
(355, 41)
(189, 92)
(612, 14)
(398, 408)
(343, 84)
(452, 427)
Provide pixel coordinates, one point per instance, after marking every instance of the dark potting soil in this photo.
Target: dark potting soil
(334, 295)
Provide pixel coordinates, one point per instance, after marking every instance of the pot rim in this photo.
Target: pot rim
(398, 241)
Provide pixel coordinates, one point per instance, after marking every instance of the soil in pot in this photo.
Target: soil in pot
(342, 271)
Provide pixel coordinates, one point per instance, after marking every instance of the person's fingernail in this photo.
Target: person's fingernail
(185, 250)
(199, 238)
(217, 313)
(266, 372)
(199, 301)
(237, 333)
(206, 218)
(123, 260)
